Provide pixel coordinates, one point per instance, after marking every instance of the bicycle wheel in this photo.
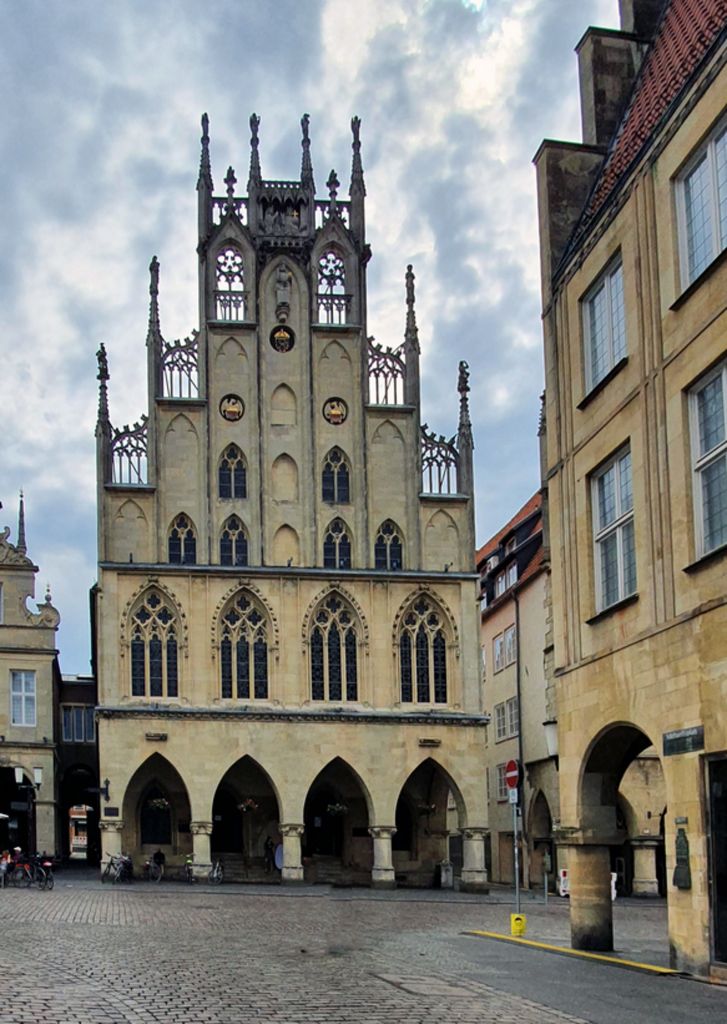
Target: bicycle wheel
(40, 878)
(155, 872)
(21, 877)
(106, 873)
(215, 875)
(49, 880)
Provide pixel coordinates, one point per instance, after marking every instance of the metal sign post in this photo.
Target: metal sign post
(516, 847)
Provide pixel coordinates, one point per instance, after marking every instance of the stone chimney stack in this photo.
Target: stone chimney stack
(607, 65)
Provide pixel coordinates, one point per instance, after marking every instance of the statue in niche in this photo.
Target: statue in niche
(283, 281)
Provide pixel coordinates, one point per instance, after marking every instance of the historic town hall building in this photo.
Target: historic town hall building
(286, 611)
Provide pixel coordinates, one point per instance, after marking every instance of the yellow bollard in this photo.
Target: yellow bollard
(518, 924)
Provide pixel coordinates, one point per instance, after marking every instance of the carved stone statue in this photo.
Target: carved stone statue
(283, 280)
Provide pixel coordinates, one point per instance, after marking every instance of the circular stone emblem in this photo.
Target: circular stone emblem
(335, 411)
(282, 338)
(232, 408)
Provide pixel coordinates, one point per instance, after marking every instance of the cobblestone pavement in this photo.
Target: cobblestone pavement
(143, 954)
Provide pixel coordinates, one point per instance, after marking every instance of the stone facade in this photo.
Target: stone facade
(287, 603)
(29, 681)
(634, 280)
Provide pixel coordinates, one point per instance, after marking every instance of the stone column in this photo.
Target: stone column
(201, 833)
(474, 872)
(591, 914)
(292, 863)
(645, 880)
(110, 840)
(382, 873)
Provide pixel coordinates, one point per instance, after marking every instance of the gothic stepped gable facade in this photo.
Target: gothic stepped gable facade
(633, 239)
(287, 599)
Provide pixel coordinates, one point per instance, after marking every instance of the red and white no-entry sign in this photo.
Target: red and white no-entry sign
(512, 774)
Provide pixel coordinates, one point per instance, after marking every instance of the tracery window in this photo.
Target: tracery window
(388, 551)
(336, 478)
(230, 290)
(182, 542)
(232, 474)
(244, 649)
(333, 652)
(332, 298)
(233, 543)
(154, 647)
(423, 654)
(337, 546)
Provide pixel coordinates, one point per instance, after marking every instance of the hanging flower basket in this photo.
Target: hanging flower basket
(337, 810)
(159, 803)
(248, 804)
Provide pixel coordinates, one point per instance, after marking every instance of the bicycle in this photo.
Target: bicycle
(216, 874)
(189, 869)
(119, 868)
(153, 872)
(28, 872)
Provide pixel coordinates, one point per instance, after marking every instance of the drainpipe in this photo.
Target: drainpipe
(520, 749)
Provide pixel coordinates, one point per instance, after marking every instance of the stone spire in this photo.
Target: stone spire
(357, 189)
(411, 345)
(102, 422)
(154, 331)
(306, 167)
(230, 182)
(255, 177)
(204, 180)
(464, 432)
(204, 185)
(21, 546)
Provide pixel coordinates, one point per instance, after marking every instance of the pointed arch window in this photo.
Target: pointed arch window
(182, 542)
(337, 546)
(154, 647)
(334, 652)
(333, 302)
(336, 478)
(233, 543)
(232, 474)
(244, 650)
(230, 284)
(388, 549)
(423, 655)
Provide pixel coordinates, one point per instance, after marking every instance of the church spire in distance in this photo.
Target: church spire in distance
(255, 176)
(411, 344)
(21, 546)
(306, 167)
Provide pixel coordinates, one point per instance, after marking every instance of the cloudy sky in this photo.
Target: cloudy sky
(99, 149)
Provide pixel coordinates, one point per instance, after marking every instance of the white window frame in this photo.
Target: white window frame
(719, 243)
(604, 282)
(500, 722)
(498, 652)
(510, 635)
(513, 716)
(26, 691)
(502, 786)
(500, 585)
(601, 534)
(702, 462)
(511, 578)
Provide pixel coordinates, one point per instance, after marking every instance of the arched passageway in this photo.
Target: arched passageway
(156, 814)
(245, 814)
(337, 846)
(428, 811)
(621, 794)
(17, 801)
(540, 842)
(79, 815)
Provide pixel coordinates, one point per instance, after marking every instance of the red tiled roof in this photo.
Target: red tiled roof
(530, 506)
(687, 31)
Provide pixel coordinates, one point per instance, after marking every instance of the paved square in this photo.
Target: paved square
(90, 955)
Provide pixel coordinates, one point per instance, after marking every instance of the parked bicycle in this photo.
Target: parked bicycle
(216, 874)
(189, 869)
(153, 872)
(119, 868)
(33, 871)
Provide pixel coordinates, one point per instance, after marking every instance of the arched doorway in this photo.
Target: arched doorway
(540, 842)
(337, 846)
(245, 813)
(618, 796)
(156, 813)
(429, 809)
(17, 801)
(79, 815)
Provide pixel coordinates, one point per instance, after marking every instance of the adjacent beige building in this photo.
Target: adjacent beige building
(633, 238)
(518, 701)
(29, 680)
(287, 617)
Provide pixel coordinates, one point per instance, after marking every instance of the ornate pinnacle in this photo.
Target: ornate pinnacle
(205, 171)
(357, 178)
(464, 433)
(306, 167)
(333, 185)
(102, 376)
(411, 335)
(21, 547)
(230, 181)
(255, 176)
(154, 331)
